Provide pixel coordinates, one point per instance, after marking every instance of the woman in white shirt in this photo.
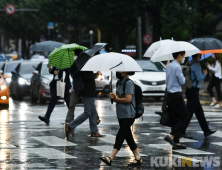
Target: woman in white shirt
(215, 81)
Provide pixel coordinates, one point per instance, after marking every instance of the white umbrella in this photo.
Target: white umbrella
(164, 53)
(152, 49)
(111, 62)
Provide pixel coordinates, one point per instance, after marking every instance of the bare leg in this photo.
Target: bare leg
(171, 136)
(220, 103)
(136, 154)
(113, 154)
(214, 100)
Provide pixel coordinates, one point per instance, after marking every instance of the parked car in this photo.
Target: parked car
(40, 80)
(102, 83)
(20, 81)
(152, 80)
(4, 91)
(7, 68)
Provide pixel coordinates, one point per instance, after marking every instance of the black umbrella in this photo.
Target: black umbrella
(205, 44)
(46, 46)
(86, 55)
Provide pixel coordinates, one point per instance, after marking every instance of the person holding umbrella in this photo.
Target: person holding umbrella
(215, 81)
(58, 74)
(126, 116)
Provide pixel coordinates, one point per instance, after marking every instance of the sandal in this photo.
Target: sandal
(138, 162)
(105, 160)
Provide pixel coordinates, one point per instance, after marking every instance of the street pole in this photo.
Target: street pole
(139, 38)
(91, 38)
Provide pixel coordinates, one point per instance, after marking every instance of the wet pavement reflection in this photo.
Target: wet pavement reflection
(27, 143)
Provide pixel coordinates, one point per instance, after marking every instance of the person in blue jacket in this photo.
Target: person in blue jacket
(192, 95)
(53, 91)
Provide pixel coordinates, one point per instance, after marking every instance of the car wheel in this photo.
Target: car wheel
(4, 106)
(33, 98)
(41, 100)
(18, 95)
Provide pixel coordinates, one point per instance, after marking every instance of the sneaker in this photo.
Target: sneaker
(97, 136)
(213, 104)
(217, 106)
(67, 130)
(44, 119)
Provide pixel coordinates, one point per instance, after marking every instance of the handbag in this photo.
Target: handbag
(165, 119)
(60, 86)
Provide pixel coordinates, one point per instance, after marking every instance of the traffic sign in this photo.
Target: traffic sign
(147, 39)
(10, 9)
(50, 25)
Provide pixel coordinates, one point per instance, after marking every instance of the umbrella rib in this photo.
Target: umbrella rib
(116, 65)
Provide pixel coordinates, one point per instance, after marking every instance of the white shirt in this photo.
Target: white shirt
(216, 69)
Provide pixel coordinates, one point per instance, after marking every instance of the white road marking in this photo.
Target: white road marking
(5, 145)
(108, 149)
(188, 151)
(54, 141)
(50, 153)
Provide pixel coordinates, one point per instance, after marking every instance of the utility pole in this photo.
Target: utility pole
(139, 37)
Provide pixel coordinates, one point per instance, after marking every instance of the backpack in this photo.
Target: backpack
(139, 108)
(187, 72)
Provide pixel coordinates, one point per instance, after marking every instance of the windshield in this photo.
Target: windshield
(11, 67)
(45, 70)
(27, 68)
(148, 65)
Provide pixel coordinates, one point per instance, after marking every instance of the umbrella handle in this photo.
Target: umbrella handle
(111, 86)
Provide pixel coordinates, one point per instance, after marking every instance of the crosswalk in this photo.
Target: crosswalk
(52, 145)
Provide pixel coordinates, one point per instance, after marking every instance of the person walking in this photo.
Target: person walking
(88, 97)
(177, 109)
(192, 95)
(126, 116)
(58, 74)
(75, 98)
(215, 81)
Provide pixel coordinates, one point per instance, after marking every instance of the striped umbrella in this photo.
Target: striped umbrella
(62, 57)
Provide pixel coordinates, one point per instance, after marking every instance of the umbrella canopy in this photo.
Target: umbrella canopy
(46, 46)
(63, 57)
(151, 50)
(164, 53)
(84, 57)
(203, 56)
(207, 45)
(111, 62)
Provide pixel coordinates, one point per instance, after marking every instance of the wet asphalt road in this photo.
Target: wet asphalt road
(27, 143)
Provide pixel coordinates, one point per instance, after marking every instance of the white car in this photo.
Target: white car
(152, 80)
(102, 83)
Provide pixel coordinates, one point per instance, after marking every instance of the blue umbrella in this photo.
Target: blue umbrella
(103, 51)
(2, 58)
(203, 56)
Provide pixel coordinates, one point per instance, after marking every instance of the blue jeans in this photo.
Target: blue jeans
(89, 112)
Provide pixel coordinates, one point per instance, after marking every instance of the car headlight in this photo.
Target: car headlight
(8, 80)
(45, 82)
(3, 87)
(22, 81)
(101, 77)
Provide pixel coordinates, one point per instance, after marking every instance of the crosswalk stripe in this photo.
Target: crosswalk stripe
(108, 149)
(5, 145)
(111, 139)
(188, 151)
(50, 153)
(54, 141)
(217, 133)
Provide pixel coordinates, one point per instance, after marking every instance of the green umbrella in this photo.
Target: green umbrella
(62, 57)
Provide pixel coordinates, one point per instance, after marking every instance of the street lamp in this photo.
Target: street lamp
(91, 37)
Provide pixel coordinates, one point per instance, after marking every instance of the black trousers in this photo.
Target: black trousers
(125, 133)
(179, 115)
(54, 98)
(194, 106)
(215, 82)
